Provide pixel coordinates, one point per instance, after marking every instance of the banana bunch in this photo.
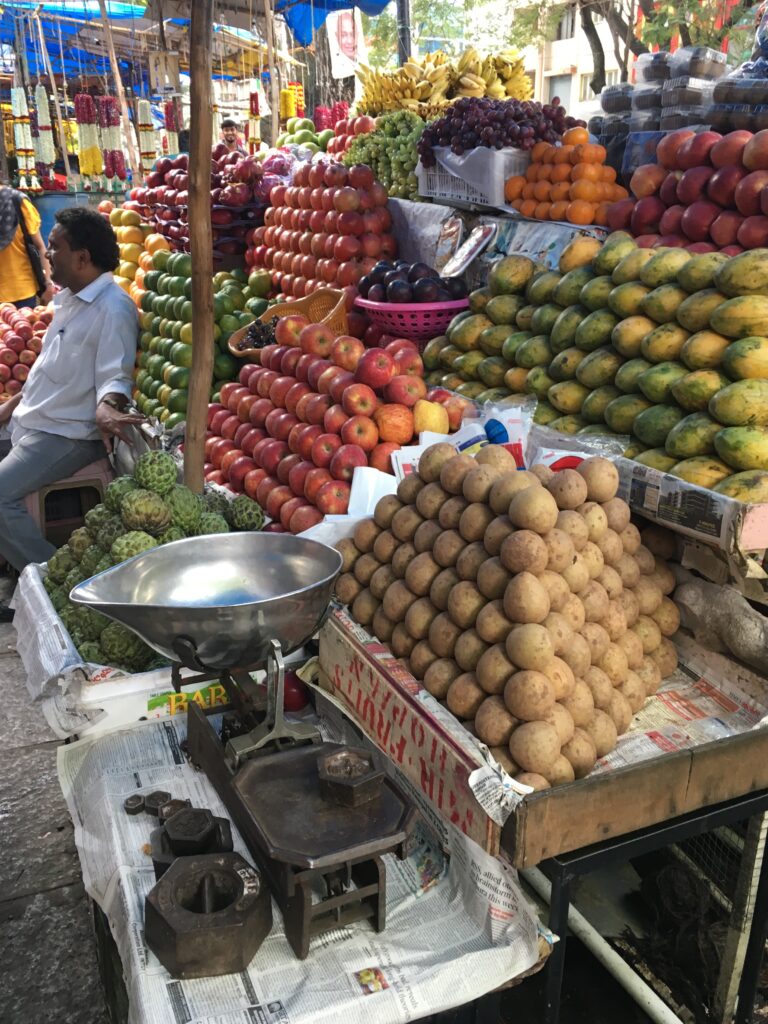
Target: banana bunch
(427, 85)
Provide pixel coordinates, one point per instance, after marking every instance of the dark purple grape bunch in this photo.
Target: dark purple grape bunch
(494, 124)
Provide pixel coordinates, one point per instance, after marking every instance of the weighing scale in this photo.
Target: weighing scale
(317, 817)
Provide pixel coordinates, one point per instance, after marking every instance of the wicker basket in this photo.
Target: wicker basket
(325, 306)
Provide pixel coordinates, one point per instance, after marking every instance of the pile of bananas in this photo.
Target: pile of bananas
(428, 85)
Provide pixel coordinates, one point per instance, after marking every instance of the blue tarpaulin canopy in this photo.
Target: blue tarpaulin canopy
(305, 19)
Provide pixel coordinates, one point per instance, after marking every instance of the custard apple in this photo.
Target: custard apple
(171, 534)
(79, 542)
(186, 508)
(212, 523)
(123, 648)
(214, 501)
(95, 519)
(73, 577)
(117, 490)
(59, 598)
(91, 559)
(131, 544)
(145, 510)
(69, 618)
(246, 514)
(50, 584)
(156, 471)
(60, 564)
(90, 623)
(104, 564)
(91, 652)
(110, 531)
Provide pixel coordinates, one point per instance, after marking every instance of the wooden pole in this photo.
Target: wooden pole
(127, 129)
(200, 239)
(274, 94)
(56, 104)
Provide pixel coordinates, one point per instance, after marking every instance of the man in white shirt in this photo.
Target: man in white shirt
(73, 400)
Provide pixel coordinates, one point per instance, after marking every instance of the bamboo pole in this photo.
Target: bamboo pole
(274, 94)
(200, 239)
(127, 129)
(56, 104)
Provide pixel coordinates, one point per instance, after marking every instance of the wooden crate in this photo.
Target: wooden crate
(425, 743)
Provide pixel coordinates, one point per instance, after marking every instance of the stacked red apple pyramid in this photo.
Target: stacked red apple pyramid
(707, 193)
(346, 129)
(291, 432)
(21, 340)
(327, 229)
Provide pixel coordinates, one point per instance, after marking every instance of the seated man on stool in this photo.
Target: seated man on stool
(73, 400)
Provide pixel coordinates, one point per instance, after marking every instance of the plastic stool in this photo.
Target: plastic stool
(89, 484)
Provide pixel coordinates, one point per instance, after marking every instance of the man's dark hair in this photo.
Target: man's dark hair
(228, 123)
(88, 229)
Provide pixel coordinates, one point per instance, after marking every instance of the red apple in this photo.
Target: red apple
(289, 362)
(242, 431)
(670, 220)
(252, 481)
(316, 339)
(315, 479)
(303, 365)
(297, 475)
(753, 233)
(281, 424)
(646, 180)
(220, 449)
(251, 439)
(258, 412)
(307, 439)
(692, 187)
(276, 498)
(694, 152)
(360, 431)
(238, 471)
(408, 361)
(288, 329)
(332, 498)
(721, 187)
(316, 371)
(732, 250)
(265, 381)
(755, 157)
(324, 448)
(233, 397)
(619, 214)
(346, 352)
(646, 215)
(217, 420)
(334, 419)
(285, 465)
(279, 389)
(360, 399)
(294, 393)
(381, 456)
(698, 219)
(724, 231)
(747, 195)
(405, 389)
(339, 385)
(228, 429)
(303, 518)
(245, 373)
(376, 368)
(288, 508)
(667, 149)
(346, 459)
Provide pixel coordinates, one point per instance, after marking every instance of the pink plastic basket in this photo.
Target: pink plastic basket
(418, 321)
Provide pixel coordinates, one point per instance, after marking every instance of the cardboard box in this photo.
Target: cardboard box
(438, 756)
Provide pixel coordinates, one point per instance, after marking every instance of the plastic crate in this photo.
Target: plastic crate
(453, 190)
(418, 321)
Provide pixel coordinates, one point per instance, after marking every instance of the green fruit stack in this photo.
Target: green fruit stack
(164, 358)
(663, 345)
(138, 513)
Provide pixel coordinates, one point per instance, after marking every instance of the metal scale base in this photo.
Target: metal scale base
(322, 860)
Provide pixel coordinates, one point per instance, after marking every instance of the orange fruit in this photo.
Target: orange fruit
(542, 211)
(549, 155)
(513, 187)
(545, 172)
(146, 262)
(560, 172)
(559, 210)
(155, 242)
(541, 190)
(619, 193)
(608, 174)
(581, 212)
(139, 278)
(575, 136)
(601, 214)
(583, 189)
(560, 191)
(528, 208)
(591, 172)
(588, 153)
(563, 154)
(517, 204)
(529, 190)
(532, 172)
(538, 151)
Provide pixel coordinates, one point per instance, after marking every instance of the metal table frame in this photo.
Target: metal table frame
(564, 869)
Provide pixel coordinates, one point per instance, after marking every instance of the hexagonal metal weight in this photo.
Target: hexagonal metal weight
(192, 830)
(208, 915)
(349, 776)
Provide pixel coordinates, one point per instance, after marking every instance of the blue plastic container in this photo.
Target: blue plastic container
(49, 203)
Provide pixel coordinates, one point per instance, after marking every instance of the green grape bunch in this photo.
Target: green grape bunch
(390, 151)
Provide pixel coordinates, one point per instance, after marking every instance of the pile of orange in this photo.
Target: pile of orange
(569, 182)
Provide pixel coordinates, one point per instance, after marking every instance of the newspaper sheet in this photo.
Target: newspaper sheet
(458, 926)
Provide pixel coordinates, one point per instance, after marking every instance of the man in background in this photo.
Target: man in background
(230, 136)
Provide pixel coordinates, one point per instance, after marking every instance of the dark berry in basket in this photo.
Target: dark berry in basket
(402, 265)
(418, 270)
(426, 289)
(258, 334)
(394, 275)
(376, 293)
(378, 272)
(399, 291)
(363, 285)
(455, 287)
